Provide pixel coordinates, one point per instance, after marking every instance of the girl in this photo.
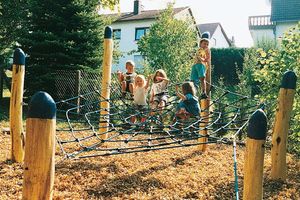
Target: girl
(202, 61)
(159, 91)
(189, 105)
(140, 92)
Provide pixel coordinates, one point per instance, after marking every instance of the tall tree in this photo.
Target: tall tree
(169, 45)
(12, 16)
(62, 34)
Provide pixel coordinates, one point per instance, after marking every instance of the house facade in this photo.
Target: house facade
(284, 15)
(218, 37)
(129, 27)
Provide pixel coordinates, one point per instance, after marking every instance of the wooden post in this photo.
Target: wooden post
(15, 112)
(1, 82)
(106, 81)
(77, 88)
(40, 148)
(254, 156)
(204, 104)
(281, 127)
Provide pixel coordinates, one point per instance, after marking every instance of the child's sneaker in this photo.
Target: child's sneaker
(203, 96)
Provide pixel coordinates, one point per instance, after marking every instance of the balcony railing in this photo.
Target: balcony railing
(262, 21)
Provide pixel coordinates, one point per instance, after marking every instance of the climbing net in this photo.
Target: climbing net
(87, 130)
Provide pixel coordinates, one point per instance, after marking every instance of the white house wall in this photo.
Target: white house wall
(282, 27)
(183, 15)
(127, 42)
(218, 39)
(186, 15)
(262, 34)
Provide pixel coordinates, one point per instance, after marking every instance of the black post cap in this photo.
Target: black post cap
(42, 106)
(205, 35)
(289, 80)
(19, 57)
(257, 127)
(108, 32)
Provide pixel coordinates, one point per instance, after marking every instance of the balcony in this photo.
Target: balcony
(260, 22)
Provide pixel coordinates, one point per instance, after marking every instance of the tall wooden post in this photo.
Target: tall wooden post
(77, 88)
(281, 127)
(40, 148)
(1, 82)
(204, 104)
(106, 81)
(15, 112)
(254, 156)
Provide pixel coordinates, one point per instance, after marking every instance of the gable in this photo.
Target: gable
(285, 10)
(211, 28)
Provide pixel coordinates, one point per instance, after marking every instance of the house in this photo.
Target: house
(129, 27)
(284, 14)
(218, 37)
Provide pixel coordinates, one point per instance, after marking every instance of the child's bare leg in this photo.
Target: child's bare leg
(131, 88)
(203, 85)
(153, 107)
(180, 113)
(161, 105)
(133, 119)
(124, 86)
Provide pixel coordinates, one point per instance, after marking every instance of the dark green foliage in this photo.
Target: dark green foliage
(64, 34)
(226, 62)
(12, 16)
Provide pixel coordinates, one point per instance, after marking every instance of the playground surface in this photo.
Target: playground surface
(181, 173)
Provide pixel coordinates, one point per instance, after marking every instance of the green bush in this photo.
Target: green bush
(226, 62)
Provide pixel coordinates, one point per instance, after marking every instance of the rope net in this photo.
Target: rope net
(84, 131)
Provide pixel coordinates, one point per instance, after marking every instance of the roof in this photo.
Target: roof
(211, 28)
(145, 14)
(285, 10)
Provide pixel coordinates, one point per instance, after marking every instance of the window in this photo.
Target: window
(117, 34)
(140, 32)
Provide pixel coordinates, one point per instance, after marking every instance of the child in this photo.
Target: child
(159, 91)
(202, 60)
(127, 79)
(189, 104)
(140, 92)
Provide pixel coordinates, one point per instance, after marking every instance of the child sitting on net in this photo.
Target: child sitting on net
(189, 104)
(140, 92)
(127, 79)
(159, 90)
(202, 61)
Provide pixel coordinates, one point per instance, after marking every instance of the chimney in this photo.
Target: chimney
(232, 42)
(137, 7)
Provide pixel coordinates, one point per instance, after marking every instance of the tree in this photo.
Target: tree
(169, 45)
(12, 16)
(64, 34)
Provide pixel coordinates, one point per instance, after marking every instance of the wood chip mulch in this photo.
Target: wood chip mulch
(183, 173)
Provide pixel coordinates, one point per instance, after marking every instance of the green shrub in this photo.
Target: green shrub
(226, 62)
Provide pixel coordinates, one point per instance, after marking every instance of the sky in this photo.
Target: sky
(232, 14)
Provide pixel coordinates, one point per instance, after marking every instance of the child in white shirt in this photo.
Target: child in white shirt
(140, 92)
(159, 90)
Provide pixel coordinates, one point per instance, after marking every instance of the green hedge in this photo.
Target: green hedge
(226, 62)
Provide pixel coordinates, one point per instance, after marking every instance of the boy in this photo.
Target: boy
(202, 61)
(127, 79)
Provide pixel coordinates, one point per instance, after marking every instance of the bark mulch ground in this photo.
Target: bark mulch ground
(183, 173)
